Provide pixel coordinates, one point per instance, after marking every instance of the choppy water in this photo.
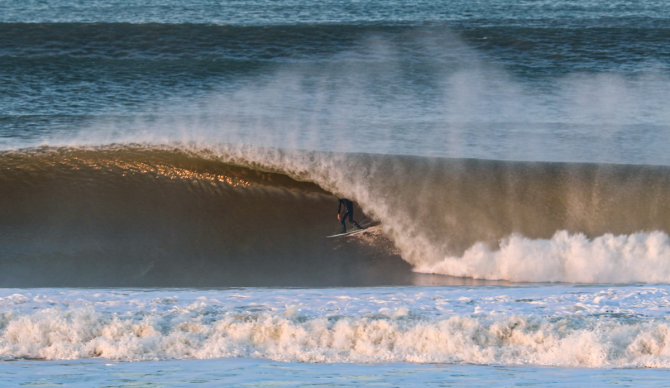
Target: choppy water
(203, 144)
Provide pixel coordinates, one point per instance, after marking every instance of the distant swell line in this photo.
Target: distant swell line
(300, 42)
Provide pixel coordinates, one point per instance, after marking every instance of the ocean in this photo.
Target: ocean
(169, 171)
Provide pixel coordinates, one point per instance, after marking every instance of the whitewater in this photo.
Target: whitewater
(558, 326)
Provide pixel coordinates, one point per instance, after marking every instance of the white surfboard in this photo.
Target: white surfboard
(346, 234)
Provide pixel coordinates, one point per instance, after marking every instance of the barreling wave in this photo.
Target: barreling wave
(239, 215)
(140, 216)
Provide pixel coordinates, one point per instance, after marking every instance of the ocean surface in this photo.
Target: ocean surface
(169, 170)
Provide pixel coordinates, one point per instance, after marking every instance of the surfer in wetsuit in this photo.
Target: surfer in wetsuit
(348, 212)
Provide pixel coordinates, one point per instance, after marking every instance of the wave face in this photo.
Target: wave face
(178, 215)
(131, 216)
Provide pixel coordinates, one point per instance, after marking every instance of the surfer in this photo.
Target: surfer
(348, 212)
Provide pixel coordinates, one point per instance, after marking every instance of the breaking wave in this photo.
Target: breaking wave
(198, 331)
(181, 215)
(638, 257)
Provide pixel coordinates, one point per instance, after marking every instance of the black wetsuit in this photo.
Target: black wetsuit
(348, 212)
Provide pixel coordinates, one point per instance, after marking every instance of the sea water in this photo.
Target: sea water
(168, 171)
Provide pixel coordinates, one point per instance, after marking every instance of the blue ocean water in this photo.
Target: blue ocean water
(450, 79)
(498, 146)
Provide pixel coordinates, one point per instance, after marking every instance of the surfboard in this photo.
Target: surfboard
(346, 234)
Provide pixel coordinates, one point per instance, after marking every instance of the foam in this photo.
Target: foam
(638, 257)
(554, 326)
